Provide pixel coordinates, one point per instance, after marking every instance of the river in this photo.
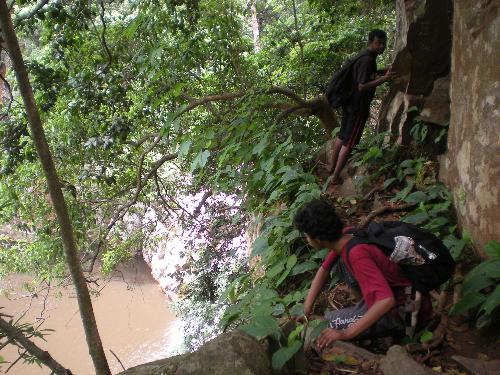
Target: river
(133, 315)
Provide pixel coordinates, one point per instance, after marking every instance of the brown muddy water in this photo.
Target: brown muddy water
(133, 315)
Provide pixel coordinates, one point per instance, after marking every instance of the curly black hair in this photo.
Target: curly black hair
(319, 220)
(377, 33)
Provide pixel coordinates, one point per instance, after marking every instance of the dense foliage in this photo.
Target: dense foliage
(117, 86)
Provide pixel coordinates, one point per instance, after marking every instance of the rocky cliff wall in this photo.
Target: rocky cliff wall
(471, 166)
(422, 63)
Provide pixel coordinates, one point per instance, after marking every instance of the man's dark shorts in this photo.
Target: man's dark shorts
(388, 325)
(351, 129)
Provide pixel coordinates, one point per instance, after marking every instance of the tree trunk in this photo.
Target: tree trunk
(87, 313)
(255, 26)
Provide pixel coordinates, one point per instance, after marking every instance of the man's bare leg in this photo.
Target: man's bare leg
(335, 154)
(342, 159)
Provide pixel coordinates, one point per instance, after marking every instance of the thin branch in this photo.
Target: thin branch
(385, 209)
(103, 37)
(140, 141)
(118, 359)
(203, 200)
(15, 334)
(301, 47)
(175, 201)
(6, 83)
(17, 360)
(140, 185)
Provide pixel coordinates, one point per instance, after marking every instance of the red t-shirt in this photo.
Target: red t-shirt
(377, 276)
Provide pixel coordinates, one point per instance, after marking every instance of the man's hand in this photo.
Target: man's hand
(389, 74)
(328, 336)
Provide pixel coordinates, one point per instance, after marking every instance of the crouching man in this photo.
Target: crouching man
(384, 290)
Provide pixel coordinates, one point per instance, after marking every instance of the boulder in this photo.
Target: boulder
(228, 354)
(397, 362)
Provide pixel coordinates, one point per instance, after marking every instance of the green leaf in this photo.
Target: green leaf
(279, 309)
(261, 326)
(467, 302)
(320, 254)
(204, 158)
(275, 270)
(266, 294)
(475, 283)
(262, 309)
(291, 261)
(407, 163)
(133, 26)
(184, 149)
(492, 301)
(289, 176)
(294, 334)
(416, 197)
(388, 182)
(489, 268)
(297, 310)
(294, 234)
(455, 245)
(318, 327)
(259, 147)
(418, 218)
(426, 336)
(259, 246)
(230, 316)
(284, 354)
(492, 248)
(304, 267)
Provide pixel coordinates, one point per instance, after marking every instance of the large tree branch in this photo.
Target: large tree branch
(15, 334)
(208, 99)
(287, 92)
(317, 106)
(29, 12)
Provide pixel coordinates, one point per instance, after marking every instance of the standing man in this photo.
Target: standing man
(355, 111)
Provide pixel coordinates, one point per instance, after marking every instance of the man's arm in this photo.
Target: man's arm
(376, 82)
(373, 314)
(316, 286)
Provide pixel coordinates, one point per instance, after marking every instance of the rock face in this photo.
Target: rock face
(422, 62)
(471, 167)
(228, 354)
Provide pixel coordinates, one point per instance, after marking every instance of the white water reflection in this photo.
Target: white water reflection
(133, 316)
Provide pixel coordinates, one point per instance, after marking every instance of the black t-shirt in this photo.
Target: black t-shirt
(363, 70)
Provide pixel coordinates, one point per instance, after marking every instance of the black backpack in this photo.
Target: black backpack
(423, 257)
(339, 90)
